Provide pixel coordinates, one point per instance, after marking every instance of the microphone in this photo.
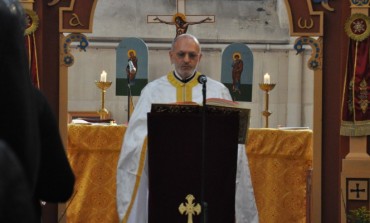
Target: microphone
(132, 67)
(202, 79)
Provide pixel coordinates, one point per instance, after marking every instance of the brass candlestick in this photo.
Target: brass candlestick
(103, 112)
(266, 112)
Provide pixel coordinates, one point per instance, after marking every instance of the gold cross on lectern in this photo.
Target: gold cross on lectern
(179, 19)
(190, 208)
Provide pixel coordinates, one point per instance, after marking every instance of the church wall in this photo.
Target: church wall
(235, 20)
(262, 24)
(307, 90)
(83, 95)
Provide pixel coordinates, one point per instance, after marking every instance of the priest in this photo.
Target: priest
(180, 85)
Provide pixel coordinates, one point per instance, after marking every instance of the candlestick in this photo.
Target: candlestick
(103, 85)
(103, 76)
(267, 88)
(266, 78)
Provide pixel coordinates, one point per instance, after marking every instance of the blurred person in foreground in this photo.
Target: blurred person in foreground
(28, 126)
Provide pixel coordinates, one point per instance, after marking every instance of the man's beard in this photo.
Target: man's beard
(186, 74)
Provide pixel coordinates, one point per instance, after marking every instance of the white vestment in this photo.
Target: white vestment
(132, 172)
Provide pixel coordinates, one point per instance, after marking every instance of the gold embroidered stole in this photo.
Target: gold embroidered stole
(183, 90)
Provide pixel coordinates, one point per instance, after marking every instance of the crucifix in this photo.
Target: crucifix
(180, 19)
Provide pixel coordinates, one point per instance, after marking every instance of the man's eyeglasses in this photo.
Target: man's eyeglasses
(191, 55)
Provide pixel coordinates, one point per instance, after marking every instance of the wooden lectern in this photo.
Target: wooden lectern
(177, 182)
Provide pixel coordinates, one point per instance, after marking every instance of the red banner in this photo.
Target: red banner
(32, 59)
(356, 100)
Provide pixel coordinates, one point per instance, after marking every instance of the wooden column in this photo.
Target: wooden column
(356, 164)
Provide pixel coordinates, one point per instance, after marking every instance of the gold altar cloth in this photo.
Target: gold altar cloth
(278, 162)
(93, 152)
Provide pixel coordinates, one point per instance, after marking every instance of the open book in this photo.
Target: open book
(213, 106)
(222, 102)
(244, 114)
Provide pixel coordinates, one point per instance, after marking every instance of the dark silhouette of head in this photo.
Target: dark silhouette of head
(14, 9)
(16, 90)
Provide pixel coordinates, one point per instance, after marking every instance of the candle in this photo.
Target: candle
(103, 76)
(266, 79)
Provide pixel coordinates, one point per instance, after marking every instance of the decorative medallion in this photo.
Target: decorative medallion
(32, 22)
(357, 27)
(360, 3)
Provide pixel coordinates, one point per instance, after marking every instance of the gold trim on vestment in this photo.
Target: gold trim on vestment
(184, 91)
(138, 178)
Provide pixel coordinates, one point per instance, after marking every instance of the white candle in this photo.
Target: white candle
(103, 76)
(266, 79)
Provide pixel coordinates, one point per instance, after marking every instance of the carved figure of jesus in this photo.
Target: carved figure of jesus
(179, 20)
